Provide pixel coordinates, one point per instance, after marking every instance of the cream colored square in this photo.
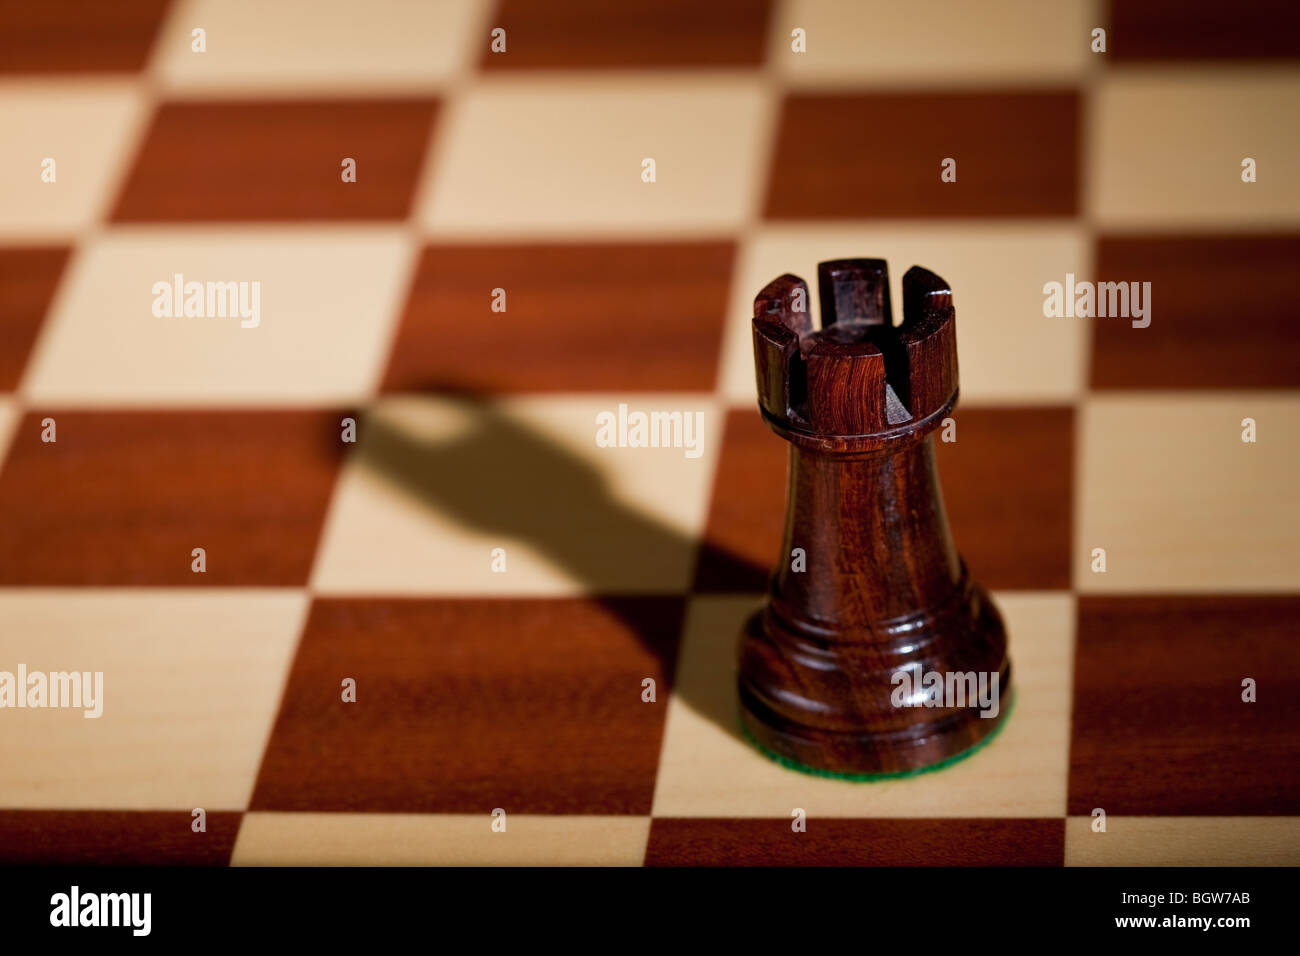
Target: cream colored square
(1008, 351)
(1179, 502)
(435, 486)
(707, 770)
(315, 47)
(393, 839)
(329, 301)
(1184, 841)
(88, 129)
(932, 42)
(564, 156)
(1168, 145)
(192, 681)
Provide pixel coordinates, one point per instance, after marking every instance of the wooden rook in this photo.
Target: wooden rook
(884, 600)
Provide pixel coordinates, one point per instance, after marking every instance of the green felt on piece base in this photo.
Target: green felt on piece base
(876, 777)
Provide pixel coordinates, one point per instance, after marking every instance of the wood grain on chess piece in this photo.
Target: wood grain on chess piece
(837, 670)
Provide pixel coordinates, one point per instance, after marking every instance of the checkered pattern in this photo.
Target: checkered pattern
(521, 171)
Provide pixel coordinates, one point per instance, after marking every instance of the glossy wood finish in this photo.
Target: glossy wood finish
(115, 838)
(632, 34)
(78, 36)
(529, 704)
(884, 589)
(28, 278)
(123, 497)
(1210, 30)
(580, 316)
(746, 515)
(270, 160)
(847, 842)
(1009, 493)
(1159, 727)
(1217, 320)
(1013, 522)
(859, 156)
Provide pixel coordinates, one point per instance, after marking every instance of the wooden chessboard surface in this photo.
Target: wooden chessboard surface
(522, 691)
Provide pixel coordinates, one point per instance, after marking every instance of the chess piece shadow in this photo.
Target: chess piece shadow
(499, 477)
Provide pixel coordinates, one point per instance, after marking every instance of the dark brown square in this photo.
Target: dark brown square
(1160, 727)
(28, 278)
(1008, 485)
(742, 540)
(1202, 30)
(77, 36)
(114, 838)
(123, 498)
(839, 842)
(1221, 313)
(593, 317)
(464, 706)
(278, 160)
(874, 155)
(594, 34)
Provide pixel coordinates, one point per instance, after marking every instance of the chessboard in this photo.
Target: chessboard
(309, 313)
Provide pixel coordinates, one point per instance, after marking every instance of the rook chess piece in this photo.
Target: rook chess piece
(835, 669)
